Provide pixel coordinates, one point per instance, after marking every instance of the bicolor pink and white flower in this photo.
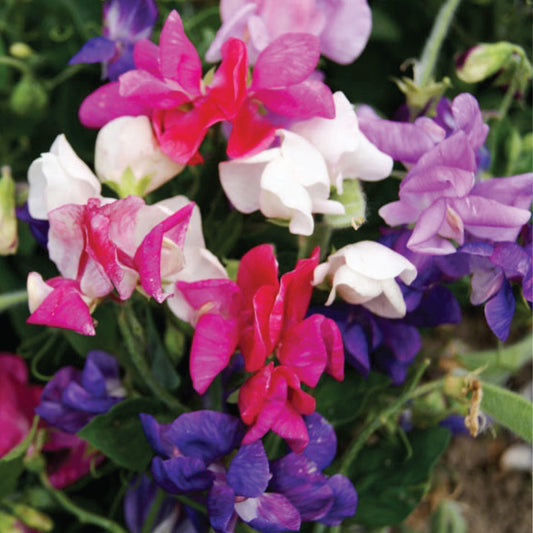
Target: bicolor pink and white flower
(343, 27)
(101, 249)
(289, 182)
(364, 273)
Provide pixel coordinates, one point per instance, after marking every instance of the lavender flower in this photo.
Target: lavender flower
(125, 22)
(73, 397)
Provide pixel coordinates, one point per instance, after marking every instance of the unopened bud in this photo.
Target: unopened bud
(8, 218)
(354, 202)
(32, 518)
(29, 98)
(20, 50)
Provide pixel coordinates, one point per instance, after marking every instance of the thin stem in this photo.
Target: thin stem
(189, 502)
(129, 327)
(423, 71)
(15, 63)
(154, 509)
(358, 443)
(85, 517)
(10, 299)
(63, 76)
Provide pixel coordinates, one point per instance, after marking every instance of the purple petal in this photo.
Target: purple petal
(288, 60)
(345, 500)
(499, 311)
(322, 445)
(221, 508)
(181, 475)
(292, 471)
(206, 435)
(437, 306)
(96, 50)
(468, 118)
(99, 367)
(512, 258)
(356, 345)
(130, 19)
(157, 435)
(269, 513)
(248, 472)
(76, 397)
(123, 63)
(516, 191)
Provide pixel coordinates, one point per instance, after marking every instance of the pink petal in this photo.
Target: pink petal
(228, 88)
(178, 57)
(148, 256)
(214, 342)
(146, 56)
(105, 104)
(257, 267)
(253, 393)
(290, 425)
(64, 308)
(308, 99)
(288, 60)
(251, 132)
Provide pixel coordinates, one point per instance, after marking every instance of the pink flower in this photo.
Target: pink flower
(261, 315)
(167, 86)
(18, 399)
(99, 249)
(343, 26)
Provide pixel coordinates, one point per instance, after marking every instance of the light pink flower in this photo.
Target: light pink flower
(343, 26)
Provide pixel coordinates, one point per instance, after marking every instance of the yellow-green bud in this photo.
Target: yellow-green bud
(32, 518)
(354, 202)
(20, 50)
(29, 98)
(8, 218)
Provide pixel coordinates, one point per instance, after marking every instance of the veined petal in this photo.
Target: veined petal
(95, 50)
(269, 513)
(249, 473)
(181, 475)
(221, 508)
(322, 445)
(344, 503)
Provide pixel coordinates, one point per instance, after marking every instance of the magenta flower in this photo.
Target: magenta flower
(167, 86)
(125, 22)
(261, 315)
(343, 27)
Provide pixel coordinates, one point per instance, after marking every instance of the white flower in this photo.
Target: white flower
(57, 178)
(290, 182)
(348, 153)
(363, 273)
(129, 143)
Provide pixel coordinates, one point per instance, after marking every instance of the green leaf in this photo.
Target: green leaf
(509, 409)
(448, 518)
(389, 482)
(12, 464)
(118, 434)
(342, 402)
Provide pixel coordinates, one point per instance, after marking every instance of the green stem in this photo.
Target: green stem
(129, 327)
(63, 76)
(15, 63)
(189, 502)
(10, 299)
(423, 71)
(85, 517)
(154, 509)
(358, 443)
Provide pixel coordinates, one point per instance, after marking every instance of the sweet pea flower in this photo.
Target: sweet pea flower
(102, 248)
(364, 273)
(343, 27)
(125, 22)
(242, 493)
(346, 150)
(299, 477)
(289, 182)
(73, 397)
(129, 159)
(57, 178)
(167, 86)
(17, 402)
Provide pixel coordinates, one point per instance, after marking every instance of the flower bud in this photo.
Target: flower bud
(483, 60)
(20, 50)
(354, 202)
(128, 157)
(8, 218)
(32, 518)
(29, 98)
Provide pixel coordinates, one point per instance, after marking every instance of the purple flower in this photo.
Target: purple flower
(73, 397)
(299, 477)
(125, 22)
(241, 493)
(494, 266)
(189, 449)
(171, 516)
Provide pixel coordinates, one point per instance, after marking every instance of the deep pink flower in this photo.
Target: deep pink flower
(167, 86)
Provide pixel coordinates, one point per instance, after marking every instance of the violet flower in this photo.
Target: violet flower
(73, 397)
(39, 228)
(125, 22)
(190, 447)
(299, 477)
